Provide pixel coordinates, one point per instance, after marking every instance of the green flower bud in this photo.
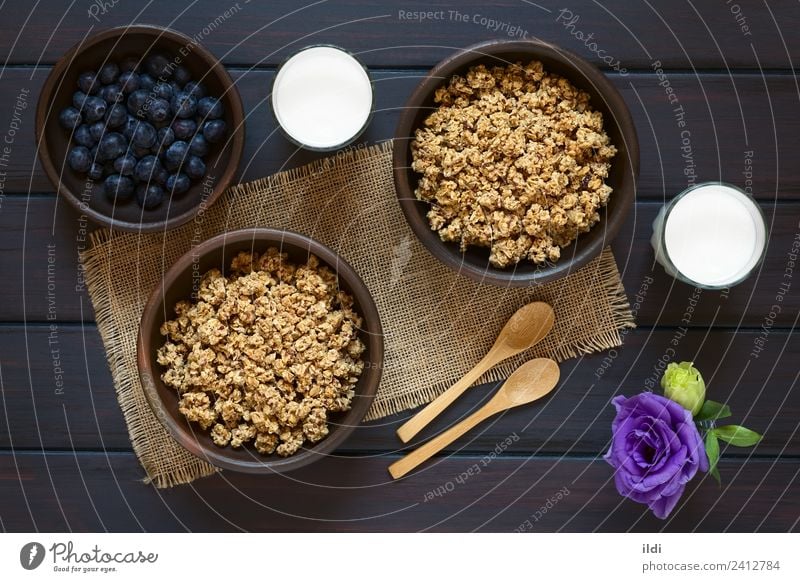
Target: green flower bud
(683, 384)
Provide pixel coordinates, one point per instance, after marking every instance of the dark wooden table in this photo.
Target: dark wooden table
(65, 458)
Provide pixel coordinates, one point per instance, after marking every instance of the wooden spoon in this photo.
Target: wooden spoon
(529, 382)
(524, 329)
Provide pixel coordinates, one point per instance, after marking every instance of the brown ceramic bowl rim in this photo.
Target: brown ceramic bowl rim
(401, 161)
(265, 463)
(43, 109)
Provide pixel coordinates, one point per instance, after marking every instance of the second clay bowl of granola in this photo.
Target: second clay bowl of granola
(515, 162)
(260, 351)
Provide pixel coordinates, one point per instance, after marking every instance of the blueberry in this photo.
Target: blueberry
(112, 93)
(195, 88)
(158, 66)
(108, 73)
(139, 153)
(165, 137)
(195, 168)
(93, 153)
(181, 75)
(129, 64)
(116, 115)
(125, 164)
(78, 99)
(79, 159)
(146, 82)
(161, 176)
(144, 136)
(214, 131)
(158, 111)
(162, 90)
(178, 183)
(128, 82)
(210, 108)
(149, 196)
(176, 155)
(94, 109)
(129, 127)
(118, 187)
(136, 102)
(112, 145)
(70, 118)
(87, 82)
(184, 104)
(198, 145)
(97, 129)
(147, 169)
(184, 129)
(83, 136)
(95, 171)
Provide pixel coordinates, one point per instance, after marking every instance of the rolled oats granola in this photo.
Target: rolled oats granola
(513, 159)
(265, 353)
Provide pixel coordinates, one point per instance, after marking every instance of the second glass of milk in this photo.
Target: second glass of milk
(712, 235)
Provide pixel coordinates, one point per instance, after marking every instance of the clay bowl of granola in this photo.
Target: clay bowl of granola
(260, 351)
(515, 162)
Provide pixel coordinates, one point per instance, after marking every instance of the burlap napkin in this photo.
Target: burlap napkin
(437, 324)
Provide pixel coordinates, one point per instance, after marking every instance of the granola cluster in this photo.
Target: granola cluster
(513, 159)
(264, 354)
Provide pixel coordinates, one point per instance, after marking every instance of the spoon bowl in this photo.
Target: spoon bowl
(529, 324)
(531, 381)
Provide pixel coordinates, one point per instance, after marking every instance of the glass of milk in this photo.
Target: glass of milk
(322, 98)
(712, 235)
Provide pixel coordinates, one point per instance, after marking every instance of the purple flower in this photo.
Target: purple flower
(655, 449)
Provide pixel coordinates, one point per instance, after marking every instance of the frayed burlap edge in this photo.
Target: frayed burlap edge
(124, 381)
(283, 178)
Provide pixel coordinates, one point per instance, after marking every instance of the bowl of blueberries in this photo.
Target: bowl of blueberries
(139, 127)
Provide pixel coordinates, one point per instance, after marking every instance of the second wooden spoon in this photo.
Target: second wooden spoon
(529, 324)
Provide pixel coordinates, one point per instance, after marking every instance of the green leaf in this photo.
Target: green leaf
(712, 452)
(713, 410)
(738, 436)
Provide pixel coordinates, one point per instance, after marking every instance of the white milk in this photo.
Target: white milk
(322, 97)
(713, 236)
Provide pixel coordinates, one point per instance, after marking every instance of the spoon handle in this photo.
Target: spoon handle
(421, 419)
(426, 451)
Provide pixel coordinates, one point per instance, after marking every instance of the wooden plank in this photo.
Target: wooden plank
(97, 492)
(34, 230)
(680, 34)
(57, 391)
(763, 392)
(724, 116)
